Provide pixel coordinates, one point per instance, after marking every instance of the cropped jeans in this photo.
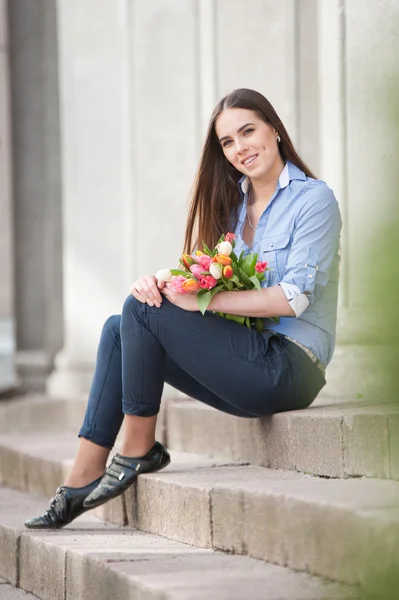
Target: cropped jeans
(219, 362)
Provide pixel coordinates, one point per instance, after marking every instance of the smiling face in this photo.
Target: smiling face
(249, 143)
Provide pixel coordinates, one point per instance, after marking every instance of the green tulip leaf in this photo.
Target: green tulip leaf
(259, 325)
(255, 281)
(235, 280)
(235, 318)
(203, 299)
(248, 264)
(244, 278)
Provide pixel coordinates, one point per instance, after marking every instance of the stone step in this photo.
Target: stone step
(38, 412)
(95, 561)
(330, 438)
(343, 530)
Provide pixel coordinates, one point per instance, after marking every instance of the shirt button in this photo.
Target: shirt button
(271, 245)
(310, 275)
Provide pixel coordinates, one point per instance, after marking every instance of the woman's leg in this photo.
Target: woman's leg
(104, 416)
(240, 368)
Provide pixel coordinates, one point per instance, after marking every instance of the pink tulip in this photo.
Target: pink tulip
(204, 261)
(260, 267)
(207, 282)
(197, 271)
(177, 284)
(230, 237)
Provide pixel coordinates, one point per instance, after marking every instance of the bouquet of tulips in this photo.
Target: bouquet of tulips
(212, 271)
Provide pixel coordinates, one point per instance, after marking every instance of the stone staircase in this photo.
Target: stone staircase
(302, 505)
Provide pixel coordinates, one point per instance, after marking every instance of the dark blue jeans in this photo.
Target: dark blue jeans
(220, 363)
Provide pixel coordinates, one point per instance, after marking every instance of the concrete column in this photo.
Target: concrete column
(37, 201)
(7, 334)
(166, 125)
(130, 142)
(255, 48)
(358, 45)
(307, 82)
(96, 180)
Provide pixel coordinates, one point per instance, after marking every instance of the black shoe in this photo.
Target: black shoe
(123, 471)
(66, 506)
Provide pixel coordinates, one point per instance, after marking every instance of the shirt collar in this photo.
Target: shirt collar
(289, 173)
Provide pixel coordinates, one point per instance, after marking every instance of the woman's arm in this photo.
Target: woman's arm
(269, 302)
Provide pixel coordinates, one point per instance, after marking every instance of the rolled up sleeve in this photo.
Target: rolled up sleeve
(314, 247)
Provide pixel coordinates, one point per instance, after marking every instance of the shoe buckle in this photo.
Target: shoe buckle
(138, 467)
(121, 476)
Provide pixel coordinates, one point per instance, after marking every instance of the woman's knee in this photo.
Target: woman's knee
(131, 304)
(112, 325)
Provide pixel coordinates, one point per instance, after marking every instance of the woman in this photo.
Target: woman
(250, 181)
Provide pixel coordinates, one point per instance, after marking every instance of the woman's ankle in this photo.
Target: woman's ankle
(78, 479)
(136, 450)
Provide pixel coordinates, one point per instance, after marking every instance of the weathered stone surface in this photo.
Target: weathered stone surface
(321, 440)
(93, 561)
(366, 445)
(156, 502)
(42, 566)
(8, 554)
(221, 577)
(15, 509)
(114, 511)
(37, 462)
(42, 476)
(325, 527)
(87, 579)
(11, 467)
(316, 439)
(8, 592)
(33, 412)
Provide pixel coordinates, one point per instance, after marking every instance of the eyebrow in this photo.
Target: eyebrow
(225, 137)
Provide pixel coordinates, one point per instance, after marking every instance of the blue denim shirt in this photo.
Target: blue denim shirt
(298, 235)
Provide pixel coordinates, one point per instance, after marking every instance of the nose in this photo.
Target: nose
(241, 146)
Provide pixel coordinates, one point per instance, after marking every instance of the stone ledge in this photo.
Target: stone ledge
(332, 439)
(94, 562)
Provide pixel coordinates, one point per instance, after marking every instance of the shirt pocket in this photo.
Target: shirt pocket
(275, 250)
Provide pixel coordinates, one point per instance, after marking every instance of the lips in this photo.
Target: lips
(248, 160)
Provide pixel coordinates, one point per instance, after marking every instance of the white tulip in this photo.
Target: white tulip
(225, 248)
(216, 270)
(164, 275)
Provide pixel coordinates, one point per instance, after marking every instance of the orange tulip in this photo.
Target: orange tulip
(222, 259)
(228, 272)
(190, 285)
(188, 260)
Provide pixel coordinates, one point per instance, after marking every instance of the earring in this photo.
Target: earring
(278, 138)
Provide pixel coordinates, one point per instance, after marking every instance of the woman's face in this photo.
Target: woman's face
(247, 142)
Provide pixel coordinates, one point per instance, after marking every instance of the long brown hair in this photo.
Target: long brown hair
(216, 198)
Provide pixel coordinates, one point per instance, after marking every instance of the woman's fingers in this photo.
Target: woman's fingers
(146, 289)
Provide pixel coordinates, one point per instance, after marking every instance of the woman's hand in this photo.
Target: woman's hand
(184, 301)
(147, 290)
